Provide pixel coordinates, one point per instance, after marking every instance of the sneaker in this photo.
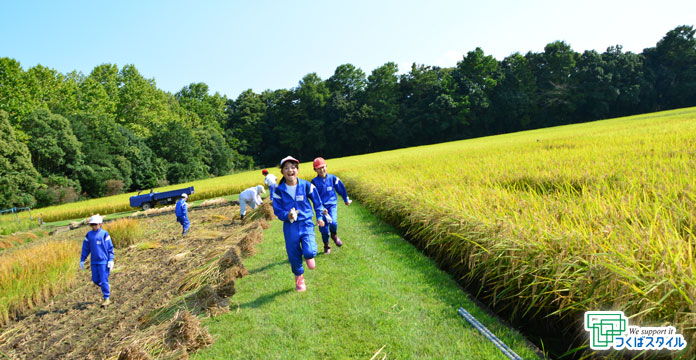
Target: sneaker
(106, 303)
(299, 283)
(310, 264)
(327, 248)
(336, 240)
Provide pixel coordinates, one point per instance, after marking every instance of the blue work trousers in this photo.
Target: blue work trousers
(299, 242)
(271, 191)
(333, 226)
(100, 276)
(184, 221)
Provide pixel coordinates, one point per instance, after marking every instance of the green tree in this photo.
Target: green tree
(245, 126)
(515, 98)
(477, 76)
(301, 127)
(216, 154)
(555, 70)
(420, 106)
(209, 108)
(141, 106)
(595, 91)
(52, 90)
(345, 114)
(178, 145)
(15, 97)
(147, 168)
(98, 92)
(18, 177)
(276, 103)
(382, 108)
(54, 148)
(107, 147)
(673, 62)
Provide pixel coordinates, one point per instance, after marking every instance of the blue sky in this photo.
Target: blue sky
(236, 45)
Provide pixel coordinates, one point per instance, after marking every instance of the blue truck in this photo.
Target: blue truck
(147, 201)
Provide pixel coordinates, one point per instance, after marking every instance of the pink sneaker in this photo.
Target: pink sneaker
(299, 283)
(336, 240)
(310, 264)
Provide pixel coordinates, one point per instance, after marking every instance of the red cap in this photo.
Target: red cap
(319, 162)
(264, 171)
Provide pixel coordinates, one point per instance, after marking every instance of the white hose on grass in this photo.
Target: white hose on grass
(489, 335)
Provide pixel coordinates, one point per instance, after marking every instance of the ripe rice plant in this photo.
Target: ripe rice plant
(124, 232)
(30, 275)
(553, 222)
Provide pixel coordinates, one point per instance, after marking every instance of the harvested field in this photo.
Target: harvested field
(147, 277)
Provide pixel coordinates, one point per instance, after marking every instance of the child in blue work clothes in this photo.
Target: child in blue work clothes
(328, 186)
(98, 246)
(291, 204)
(181, 212)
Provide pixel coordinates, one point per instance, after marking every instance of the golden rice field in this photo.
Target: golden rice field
(546, 223)
(204, 189)
(553, 222)
(30, 275)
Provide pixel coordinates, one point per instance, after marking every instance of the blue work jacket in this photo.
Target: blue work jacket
(329, 187)
(283, 202)
(98, 243)
(181, 208)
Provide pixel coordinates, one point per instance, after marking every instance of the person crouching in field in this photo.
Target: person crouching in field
(250, 197)
(98, 246)
(328, 186)
(271, 181)
(181, 212)
(291, 204)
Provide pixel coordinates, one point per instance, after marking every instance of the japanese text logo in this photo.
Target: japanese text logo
(610, 329)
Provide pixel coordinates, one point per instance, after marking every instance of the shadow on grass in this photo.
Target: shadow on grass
(266, 267)
(263, 300)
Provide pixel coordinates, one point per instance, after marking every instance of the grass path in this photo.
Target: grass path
(376, 291)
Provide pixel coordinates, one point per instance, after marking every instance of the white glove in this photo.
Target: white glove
(292, 215)
(82, 265)
(349, 202)
(110, 265)
(328, 218)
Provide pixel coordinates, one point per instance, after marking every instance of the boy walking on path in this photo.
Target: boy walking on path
(97, 244)
(181, 212)
(250, 197)
(291, 204)
(328, 186)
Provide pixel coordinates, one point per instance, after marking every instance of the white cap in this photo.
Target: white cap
(260, 189)
(96, 219)
(288, 158)
(184, 196)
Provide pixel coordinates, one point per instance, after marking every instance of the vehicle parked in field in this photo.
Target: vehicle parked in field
(147, 201)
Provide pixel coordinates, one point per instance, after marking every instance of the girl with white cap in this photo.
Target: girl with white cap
(291, 204)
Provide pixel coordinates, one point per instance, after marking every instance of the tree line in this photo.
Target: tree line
(70, 136)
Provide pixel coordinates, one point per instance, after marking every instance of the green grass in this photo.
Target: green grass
(14, 223)
(377, 290)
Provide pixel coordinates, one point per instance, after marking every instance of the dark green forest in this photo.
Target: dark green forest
(66, 137)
